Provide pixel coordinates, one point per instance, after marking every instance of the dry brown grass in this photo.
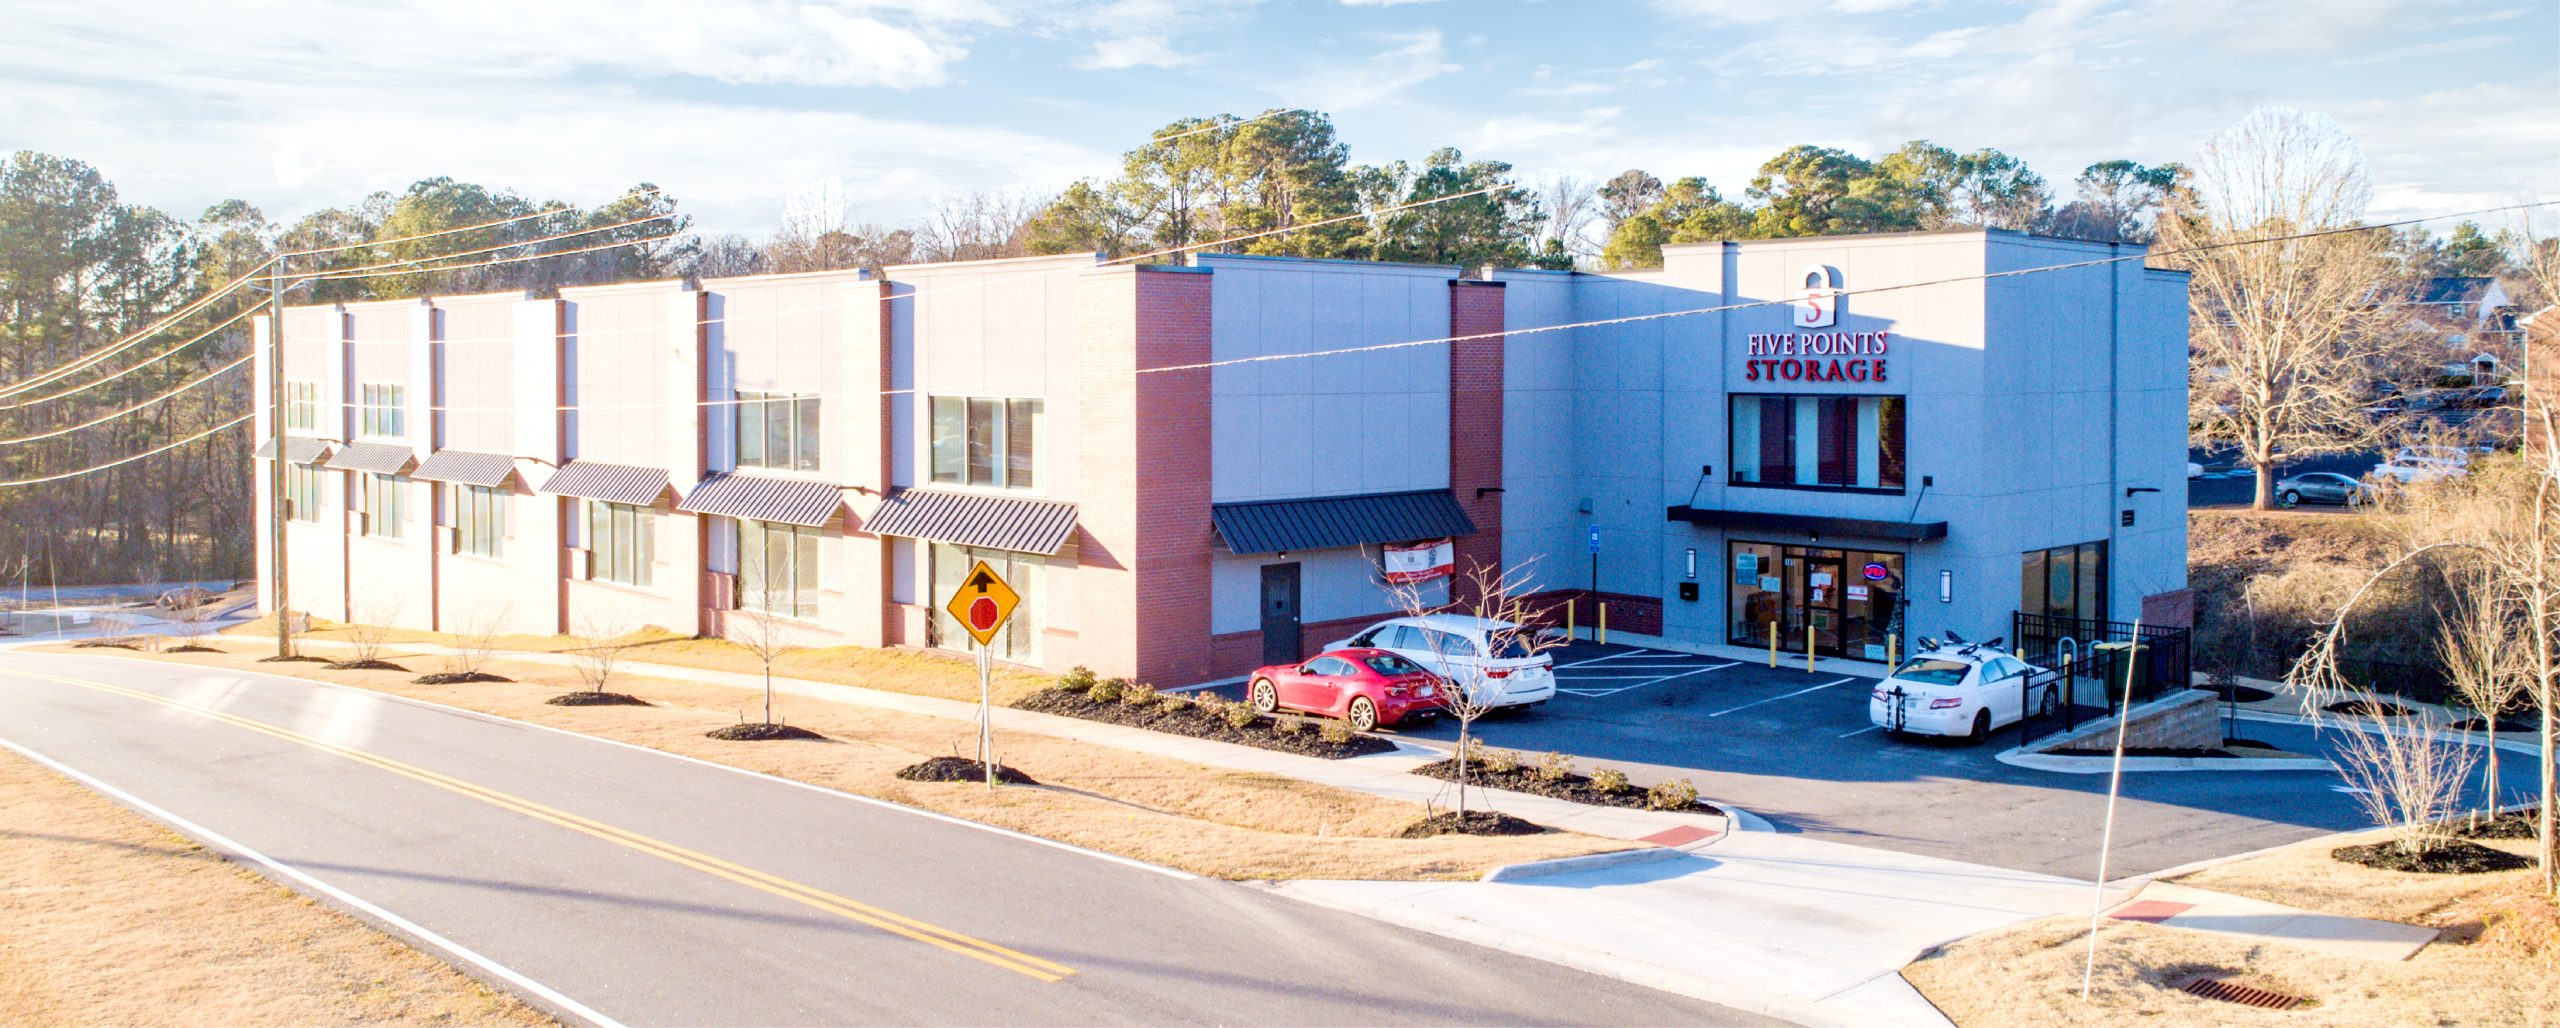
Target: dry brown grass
(1228, 824)
(109, 919)
(2268, 578)
(894, 670)
(2495, 962)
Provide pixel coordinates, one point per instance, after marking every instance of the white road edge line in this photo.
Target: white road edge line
(838, 793)
(1861, 731)
(1782, 696)
(406, 926)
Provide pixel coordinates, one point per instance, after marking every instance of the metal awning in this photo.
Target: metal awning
(792, 501)
(379, 458)
(1326, 522)
(466, 467)
(1017, 523)
(1913, 531)
(298, 449)
(612, 483)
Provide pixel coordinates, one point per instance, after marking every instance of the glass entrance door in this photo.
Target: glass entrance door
(1821, 595)
(1847, 599)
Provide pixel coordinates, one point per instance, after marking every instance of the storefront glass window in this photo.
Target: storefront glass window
(2065, 581)
(1818, 442)
(1848, 602)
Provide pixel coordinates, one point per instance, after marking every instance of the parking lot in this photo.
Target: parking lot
(1796, 748)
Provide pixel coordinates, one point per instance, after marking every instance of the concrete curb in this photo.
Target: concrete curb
(2103, 765)
(1586, 862)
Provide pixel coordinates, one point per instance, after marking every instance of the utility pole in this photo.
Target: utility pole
(275, 476)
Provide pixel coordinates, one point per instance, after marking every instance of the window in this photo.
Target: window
(1932, 671)
(1331, 667)
(1817, 442)
(778, 430)
(986, 442)
(1019, 640)
(2064, 582)
(479, 520)
(1392, 666)
(302, 492)
(778, 568)
(302, 406)
(1850, 600)
(384, 411)
(621, 542)
(378, 498)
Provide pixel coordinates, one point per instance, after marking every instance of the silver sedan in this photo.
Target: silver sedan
(2322, 487)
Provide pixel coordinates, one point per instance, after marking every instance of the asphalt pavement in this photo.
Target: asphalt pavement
(634, 886)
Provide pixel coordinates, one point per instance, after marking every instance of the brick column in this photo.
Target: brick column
(1475, 422)
(1142, 474)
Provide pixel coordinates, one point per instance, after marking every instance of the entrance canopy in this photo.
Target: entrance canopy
(1868, 528)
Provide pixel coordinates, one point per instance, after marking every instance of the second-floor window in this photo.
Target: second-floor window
(778, 430)
(985, 441)
(302, 406)
(383, 411)
(479, 520)
(1818, 442)
(621, 542)
(302, 492)
(379, 497)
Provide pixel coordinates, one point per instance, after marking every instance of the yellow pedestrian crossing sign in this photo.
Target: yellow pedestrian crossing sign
(983, 603)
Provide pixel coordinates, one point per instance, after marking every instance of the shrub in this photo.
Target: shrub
(1671, 795)
(1139, 695)
(1172, 704)
(1336, 733)
(1289, 726)
(1240, 715)
(1554, 766)
(1108, 690)
(1609, 780)
(1472, 751)
(1077, 679)
(1501, 762)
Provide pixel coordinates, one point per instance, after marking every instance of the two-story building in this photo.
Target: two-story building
(1191, 470)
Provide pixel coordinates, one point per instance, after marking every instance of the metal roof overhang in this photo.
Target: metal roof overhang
(298, 449)
(1017, 523)
(1328, 522)
(789, 500)
(1911, 531)
(379, 458)
(466, 467)
(612, 483)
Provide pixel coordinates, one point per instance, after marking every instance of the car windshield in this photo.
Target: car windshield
(1930, 671)
(1391, 665)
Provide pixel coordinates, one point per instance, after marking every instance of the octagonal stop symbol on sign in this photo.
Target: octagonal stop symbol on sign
(983, 603)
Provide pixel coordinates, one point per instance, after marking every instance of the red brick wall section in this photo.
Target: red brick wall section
(1627, 612)
(1142, 476)
(1475, 422)
(2173, 609)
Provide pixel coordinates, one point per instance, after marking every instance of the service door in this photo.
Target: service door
(1280, 642)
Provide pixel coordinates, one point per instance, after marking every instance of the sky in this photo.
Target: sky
(737, 107)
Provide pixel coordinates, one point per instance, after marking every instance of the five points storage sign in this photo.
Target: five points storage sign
(983, 603)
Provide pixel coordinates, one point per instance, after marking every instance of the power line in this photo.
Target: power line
(130, 369)
(344, 272)
(331, 277)
(103, 419)
(13, 483)
(553, 212)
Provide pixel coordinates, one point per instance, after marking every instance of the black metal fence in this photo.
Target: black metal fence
(2086, 662)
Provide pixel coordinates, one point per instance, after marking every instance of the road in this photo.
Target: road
(650, 889)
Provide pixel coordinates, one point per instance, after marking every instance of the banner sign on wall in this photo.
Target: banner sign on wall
(1421, 562)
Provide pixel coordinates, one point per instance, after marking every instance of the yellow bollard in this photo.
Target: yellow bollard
(1892, 652)
(1773, 644)
(1604, 624)
(1808, 648)
(1568, 619)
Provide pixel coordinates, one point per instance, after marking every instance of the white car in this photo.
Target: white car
(1461, 649)
(1958, 689)
(2195, 470)
(2404, 469)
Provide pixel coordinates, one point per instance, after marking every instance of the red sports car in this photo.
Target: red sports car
(1368, 687)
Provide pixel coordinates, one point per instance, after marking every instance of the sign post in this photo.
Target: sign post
(1595, 575)
(982, 605)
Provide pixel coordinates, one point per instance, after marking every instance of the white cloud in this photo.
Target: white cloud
(1134, 52)
(1337, 87)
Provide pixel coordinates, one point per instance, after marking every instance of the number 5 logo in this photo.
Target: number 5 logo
(1817, 302)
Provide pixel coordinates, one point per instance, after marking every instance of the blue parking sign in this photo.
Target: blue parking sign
(1595, 538)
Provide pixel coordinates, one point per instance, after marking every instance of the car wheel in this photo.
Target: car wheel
(1266, 698)
(2293, 497)
(1981, 727)
(1364, 714)
(2046, 706)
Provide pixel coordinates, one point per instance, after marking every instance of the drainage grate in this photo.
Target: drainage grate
(2229, 991)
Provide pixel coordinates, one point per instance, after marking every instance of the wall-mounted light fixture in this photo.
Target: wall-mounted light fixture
(2132, 489)
(1693, 562)
(1483, 489)
(1946, 587)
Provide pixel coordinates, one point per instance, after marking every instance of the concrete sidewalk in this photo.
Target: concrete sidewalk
(2179, 906)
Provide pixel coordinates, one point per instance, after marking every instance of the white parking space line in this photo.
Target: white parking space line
(1861, 731)
(1773, 699)
(1645, 682)
(1617, 656)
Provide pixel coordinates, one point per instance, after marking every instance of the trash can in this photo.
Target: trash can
(2109, 661)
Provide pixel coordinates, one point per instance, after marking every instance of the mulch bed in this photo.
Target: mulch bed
(2453, 858)
(2477, 724)
(1576, 788)
(1198, 724)
(960, 769)
(2517, 824)
(590, 698)
(457, 677)
(193, 648)
(2246, 744)
(1473, 822)
(105, 644)
(364, 665)
(295, 659)
(2243, 694)
(2361, 708)
(758, 731)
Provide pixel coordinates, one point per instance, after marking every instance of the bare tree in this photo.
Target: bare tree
(2486, 658)
(369, 619)
(1571, 205)
(475, 643)
(2287, 336)
(608, 639)
(189, 607)
(769, 638)
(2407, 771)
(977, 226)
(1500, 599)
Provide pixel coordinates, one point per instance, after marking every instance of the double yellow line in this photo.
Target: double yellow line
(894, 923)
